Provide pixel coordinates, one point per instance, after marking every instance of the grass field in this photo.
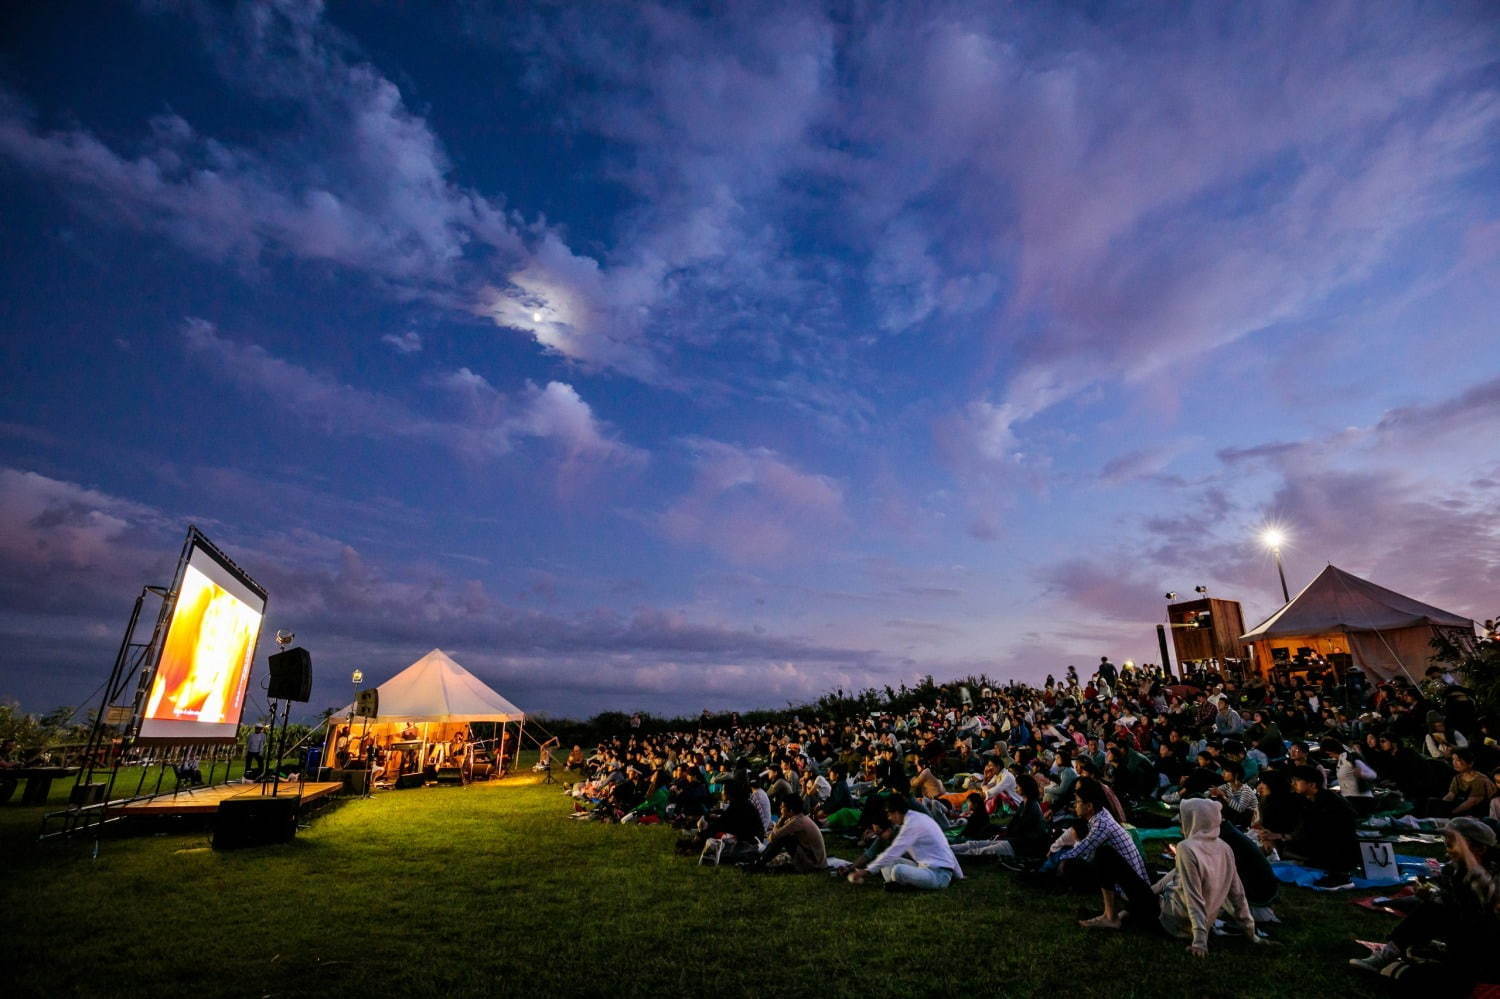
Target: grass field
(489, 890)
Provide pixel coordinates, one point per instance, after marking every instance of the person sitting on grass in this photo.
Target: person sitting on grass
(1203, 881)
(926, 784)
(1026, 835)
(977, 819)
(1234, 796)
(1106, 859)
(738, 820)
(1469, 792)
(1056, 797)
(1459, 909)
(919, 855)
(796, 843)
(875, 839)
(689, 796)
(762, 803)
(1325, 836)
(1256, 874)
(839, 796)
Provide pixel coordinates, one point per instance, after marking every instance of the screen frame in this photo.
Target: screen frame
(179, 733)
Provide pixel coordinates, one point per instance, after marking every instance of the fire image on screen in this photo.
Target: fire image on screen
(199, 689)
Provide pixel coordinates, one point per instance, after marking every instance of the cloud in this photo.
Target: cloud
(1146, 463)
(71, 557)
(753, 506)
(409, 342)
(555, 413)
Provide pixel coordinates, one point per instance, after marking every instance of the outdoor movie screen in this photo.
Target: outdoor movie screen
(198, 692)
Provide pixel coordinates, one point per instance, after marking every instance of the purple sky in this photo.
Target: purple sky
(642, 358)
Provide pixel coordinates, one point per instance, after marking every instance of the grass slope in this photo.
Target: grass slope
(489, 891)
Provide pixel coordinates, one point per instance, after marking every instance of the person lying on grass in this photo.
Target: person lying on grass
(1203, 881)
(919, 855)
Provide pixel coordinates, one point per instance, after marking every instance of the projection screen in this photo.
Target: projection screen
(198, 691)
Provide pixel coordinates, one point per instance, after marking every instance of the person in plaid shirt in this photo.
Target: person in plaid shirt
(1106, 858)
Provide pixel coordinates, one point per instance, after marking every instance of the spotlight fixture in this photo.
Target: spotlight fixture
(1200, 589)
(285, 638)
(1171, 594)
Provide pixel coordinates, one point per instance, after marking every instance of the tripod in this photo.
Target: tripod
(547, 777)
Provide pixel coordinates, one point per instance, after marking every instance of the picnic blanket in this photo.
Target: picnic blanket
(1169, 833)
(1297, 874)
(1382, 902)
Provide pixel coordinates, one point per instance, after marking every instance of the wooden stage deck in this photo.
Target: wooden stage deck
(205, 800)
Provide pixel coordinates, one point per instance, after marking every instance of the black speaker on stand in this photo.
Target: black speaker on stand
(290, 680)
(291, 676)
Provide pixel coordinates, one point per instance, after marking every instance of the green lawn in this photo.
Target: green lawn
(489, 890)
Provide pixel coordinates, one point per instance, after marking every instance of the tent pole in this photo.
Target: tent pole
(520, 738)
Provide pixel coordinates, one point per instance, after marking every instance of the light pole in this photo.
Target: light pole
(1273, 538)
(358, 678)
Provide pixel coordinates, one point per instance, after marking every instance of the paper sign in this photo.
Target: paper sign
(1380, 861)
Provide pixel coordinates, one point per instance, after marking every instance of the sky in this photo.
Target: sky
(662, 356)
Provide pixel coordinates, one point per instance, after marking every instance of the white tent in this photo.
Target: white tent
(435, 693)
(1381, 630)
(437, 689)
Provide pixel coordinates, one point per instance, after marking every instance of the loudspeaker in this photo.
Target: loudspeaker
(367, 703)
(355, 781)
(408, 781)
(255, 821)
(291, 676)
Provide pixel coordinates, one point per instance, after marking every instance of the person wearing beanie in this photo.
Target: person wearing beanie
(1458, 909)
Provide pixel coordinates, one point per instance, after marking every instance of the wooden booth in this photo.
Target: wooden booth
(1208, 630)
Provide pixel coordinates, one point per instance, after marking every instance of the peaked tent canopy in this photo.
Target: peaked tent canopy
(437, 689)
(1381, 630)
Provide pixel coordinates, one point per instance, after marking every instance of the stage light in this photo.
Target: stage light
(1170, 594)
(359, 677)
(1200, 589)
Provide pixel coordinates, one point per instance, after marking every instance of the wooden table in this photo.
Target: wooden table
(38, 781)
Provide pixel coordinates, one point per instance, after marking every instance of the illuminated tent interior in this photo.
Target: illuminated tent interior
(1339, 614)
(424, 711)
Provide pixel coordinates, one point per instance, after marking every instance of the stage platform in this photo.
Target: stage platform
(205, 800)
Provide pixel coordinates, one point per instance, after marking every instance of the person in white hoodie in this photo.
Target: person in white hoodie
(1203, 882)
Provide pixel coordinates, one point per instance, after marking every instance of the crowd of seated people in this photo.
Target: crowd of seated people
(1057, 782)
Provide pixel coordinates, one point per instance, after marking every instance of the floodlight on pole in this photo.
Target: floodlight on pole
(358, 677)
(1273, 538)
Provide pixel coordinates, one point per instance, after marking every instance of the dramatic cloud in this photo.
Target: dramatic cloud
(728, 339)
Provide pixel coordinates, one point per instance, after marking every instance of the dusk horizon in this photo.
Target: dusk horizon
(648, 360)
